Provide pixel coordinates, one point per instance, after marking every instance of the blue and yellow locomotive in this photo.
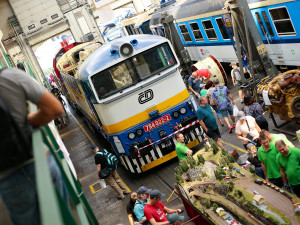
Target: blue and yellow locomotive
(134, 96)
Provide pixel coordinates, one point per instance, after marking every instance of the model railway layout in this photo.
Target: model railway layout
(222, 192)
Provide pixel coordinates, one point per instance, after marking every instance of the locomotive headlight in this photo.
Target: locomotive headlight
(139, 132)
(182, 110)
(131, 135)
(175, 114)
(126, 49)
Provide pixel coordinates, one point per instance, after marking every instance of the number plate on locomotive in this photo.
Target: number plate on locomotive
(157, 123)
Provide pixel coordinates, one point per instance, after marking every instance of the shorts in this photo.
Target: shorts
(247, 69)
(224, 111)
(217, 111)
(214, 134)
(239, 84)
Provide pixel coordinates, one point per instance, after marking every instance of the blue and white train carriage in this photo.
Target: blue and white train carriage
(138, 98)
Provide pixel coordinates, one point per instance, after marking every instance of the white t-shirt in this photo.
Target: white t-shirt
(244, 130)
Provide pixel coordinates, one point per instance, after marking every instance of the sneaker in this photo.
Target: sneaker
(120, 198)
(242, 101)
(230, 129)
(234, 125)
(222, 124)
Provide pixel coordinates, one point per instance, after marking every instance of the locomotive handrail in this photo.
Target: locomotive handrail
(53, 208)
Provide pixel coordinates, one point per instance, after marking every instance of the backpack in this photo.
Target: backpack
(15, 144)
(260, 120)
(237, 74)
(111, 159)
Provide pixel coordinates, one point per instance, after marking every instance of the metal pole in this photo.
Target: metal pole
(237, 44)
(261, 48)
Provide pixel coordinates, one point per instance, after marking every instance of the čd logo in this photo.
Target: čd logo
(145, 96)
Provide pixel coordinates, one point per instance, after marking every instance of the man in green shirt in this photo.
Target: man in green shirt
(267, 155)
(275, 137)
(289, 163)
(181, 150)
(208, 121)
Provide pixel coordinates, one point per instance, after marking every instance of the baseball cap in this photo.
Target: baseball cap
(174, 217)
(202, 85)
(143, 190)
(156, 193)
(93, 147)
(233, 63)
(241, 115)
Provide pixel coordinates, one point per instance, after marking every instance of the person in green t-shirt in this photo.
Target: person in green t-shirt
(203, 90)
(274, 137)
(181, 150)
(267, 155)
(289, 163)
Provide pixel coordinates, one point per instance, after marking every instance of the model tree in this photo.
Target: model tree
(230, 158)
(191, 161)
(214, 146)
(184, 165)
(231, 186)
(224, 152)
(206, 147)
(201, 159)
(179, 178)
(215, 206)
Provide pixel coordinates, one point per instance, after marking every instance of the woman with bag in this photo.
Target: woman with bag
(247, 130)
(252, 108)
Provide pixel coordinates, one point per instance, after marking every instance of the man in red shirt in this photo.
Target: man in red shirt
(155, 211)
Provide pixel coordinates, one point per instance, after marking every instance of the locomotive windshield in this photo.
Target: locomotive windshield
(133, 70)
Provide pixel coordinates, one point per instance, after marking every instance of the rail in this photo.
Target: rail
(53, 208)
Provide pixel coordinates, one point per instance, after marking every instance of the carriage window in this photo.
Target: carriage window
(222, 28)
(153, 61)
(267, 22)
(282, 21)
(209, 30)
(129, 31)
(163, 32)
(196, 31)
(185, 33)
(113, 79)
(261, 25)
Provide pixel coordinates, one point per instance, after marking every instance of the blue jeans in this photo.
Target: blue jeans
(259, 172)
(217, 111)
(19, 194)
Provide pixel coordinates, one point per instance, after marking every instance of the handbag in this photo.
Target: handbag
(235, 110)
(252, 141)
(260, 120)
(104, 173)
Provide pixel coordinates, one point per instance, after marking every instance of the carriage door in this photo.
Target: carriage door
(265, 27)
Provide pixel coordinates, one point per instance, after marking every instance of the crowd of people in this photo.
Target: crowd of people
(145, 207)
(273, 156)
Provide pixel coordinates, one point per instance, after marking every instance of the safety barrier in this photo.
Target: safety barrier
(53, 208)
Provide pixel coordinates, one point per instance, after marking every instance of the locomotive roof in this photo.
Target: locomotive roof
(102, 57)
